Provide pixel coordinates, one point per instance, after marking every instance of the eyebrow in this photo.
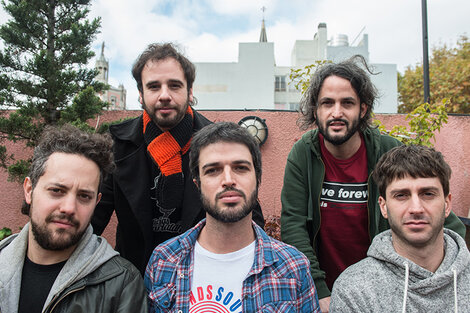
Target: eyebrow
(430, 188)
(152, 82)
(329, 98)
(236, 162)
(88, 191)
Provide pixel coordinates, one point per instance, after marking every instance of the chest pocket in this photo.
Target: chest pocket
(285, 307)
(163, 297)
(276, 295)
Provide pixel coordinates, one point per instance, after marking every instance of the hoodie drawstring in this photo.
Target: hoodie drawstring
(455, 290)
(405, 292)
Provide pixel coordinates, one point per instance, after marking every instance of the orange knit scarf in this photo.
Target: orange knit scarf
(166, 149)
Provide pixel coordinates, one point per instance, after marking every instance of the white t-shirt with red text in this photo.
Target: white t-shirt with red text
(217, 279)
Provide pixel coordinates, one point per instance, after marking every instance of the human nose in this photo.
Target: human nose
(416, 206)
(228, 180)
(337, 110)
(68, 205)
(165, 94)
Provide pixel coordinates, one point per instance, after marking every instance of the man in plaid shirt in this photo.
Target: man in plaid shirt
(227, 263)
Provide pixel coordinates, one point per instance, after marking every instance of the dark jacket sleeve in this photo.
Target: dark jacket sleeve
(133, 297)
(294, 214)
(454, 223)
(258, 217)
(105, 208)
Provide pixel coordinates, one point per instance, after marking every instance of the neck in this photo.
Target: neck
(219, 237)
(429, 257)
(345, 150)
(42, 256)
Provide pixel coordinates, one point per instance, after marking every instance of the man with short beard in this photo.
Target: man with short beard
(56, 264)
(417, 265)
(227, 263)
(329, 201)
(151, 191)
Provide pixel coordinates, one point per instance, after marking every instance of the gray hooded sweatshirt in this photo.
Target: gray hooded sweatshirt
(91, 252)
(388, 282)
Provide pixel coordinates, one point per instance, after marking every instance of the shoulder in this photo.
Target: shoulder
(6, 241)
(289, 254)
(359, 276)
(305, 143)
(127, 129)
(200, 120)
(169, 250)
(285, 259)
(384, 141)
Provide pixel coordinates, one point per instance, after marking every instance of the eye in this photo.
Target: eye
(428, 195)
(348, 103)
(175, 86)
(56, 191)
(153, 86)
(211, 171)
(242, 168)
(84, 197)
(400, 196)
(326, 103)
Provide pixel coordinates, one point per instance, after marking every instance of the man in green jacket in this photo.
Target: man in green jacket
(56, 264)
(330, 210)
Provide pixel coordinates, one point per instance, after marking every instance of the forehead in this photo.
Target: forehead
(68, 168)
(222, 152)
(414, 184)
(168, 68)
(335, 85)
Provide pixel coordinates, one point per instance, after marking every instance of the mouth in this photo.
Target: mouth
(337, 124)
(63, 223)
(230, 196)
(418, 224)
(165, 110)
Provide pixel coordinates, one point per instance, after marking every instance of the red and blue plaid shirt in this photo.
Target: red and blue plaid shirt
(279, 280)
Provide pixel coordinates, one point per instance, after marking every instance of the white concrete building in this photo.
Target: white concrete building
(255, 82)
(116, 97)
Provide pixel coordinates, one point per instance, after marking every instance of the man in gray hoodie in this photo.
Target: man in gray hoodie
(417, 265)
(56, 264)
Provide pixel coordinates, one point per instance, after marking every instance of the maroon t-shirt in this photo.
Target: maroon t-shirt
(343, 238)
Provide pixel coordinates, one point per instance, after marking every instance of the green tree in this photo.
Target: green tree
(43, 75)
(449, 75)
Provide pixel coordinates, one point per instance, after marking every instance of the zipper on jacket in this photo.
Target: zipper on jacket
(368, 208)
(62, 298)
(319, 203)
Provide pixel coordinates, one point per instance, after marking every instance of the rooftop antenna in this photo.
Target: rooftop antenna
(352, 43)
(263, 37)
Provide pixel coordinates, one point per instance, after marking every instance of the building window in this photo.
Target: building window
(280, 84)
(294, 106)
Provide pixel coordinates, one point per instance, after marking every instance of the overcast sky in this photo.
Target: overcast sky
(210, 30)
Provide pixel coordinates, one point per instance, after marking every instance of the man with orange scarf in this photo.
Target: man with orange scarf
(152, 191)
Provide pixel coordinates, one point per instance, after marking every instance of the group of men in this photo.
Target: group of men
(185, 193)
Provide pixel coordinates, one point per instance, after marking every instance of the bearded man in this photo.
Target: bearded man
(151, 191)
(227, 263)
(329, 201)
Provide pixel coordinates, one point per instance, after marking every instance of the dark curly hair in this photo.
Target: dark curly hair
(71, 140)
(161, 51)
(350, 70)
(223, 132)
(414, 161)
